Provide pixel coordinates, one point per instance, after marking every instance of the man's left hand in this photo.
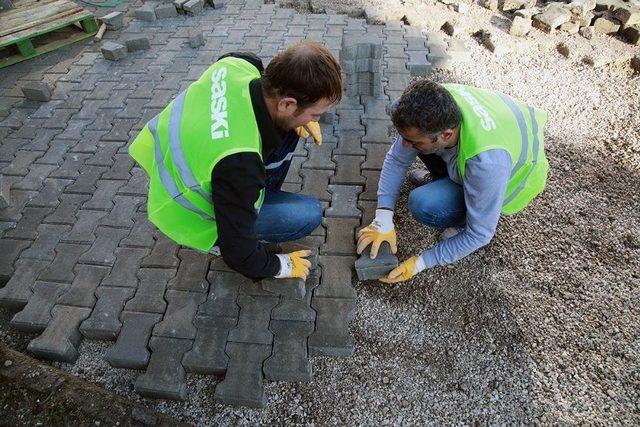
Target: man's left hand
(405, 271)
(311, 128)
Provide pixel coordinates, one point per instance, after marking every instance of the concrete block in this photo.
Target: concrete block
(331, 337)
(61, 269)
(163, 255)
(631, 34)
(377, 130)
(520, 26)
(336, 277)
(114, 21)
(113, 51)
(319, 157)
(207, 356)
(37, 91)
(196, 39)
(149, 296)
(138, 43)
(253, 323)
(43, 248)
(181, 309)
(298, 310)
(344, 201)
(102, 252)
(104, 322)
(146, 13)
(127, 263)
(347, 170)
(221, 300)
(166, 10)
(130, 350)
(18, 290)
(193, 7)
(372, 269)
(165, 377)
(553, 16)
(606, 25)
(418, 63)
(290, 288)
(340, 238)
(36, 315)
(81, 293)
(192, 273)
(5, 192)
(61, 339)
(289, 360)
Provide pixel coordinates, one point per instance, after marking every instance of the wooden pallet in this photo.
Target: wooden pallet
(35, 27)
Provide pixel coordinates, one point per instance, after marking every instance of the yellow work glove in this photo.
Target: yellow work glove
(405, 271)
(311, 128)
(380, 230)
(294, 264)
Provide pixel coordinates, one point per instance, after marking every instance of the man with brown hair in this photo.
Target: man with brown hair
(219, 153)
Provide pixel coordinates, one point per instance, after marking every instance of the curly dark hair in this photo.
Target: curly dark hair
(427, 106)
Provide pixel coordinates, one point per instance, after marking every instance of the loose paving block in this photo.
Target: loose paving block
(130, 350)
(242, 385)
(380, 266)
(553, 16)
(36, 315)
(5, 192)
(344, 201)
(43, 248)
(348, 170)
(340, 236)
(104, 323)
(290, 288)
(134, 44)
(113, 51)
(61, 339)
(207, 356)
(163, 254)
(146, 13)
(114, 21)
(125, 268)
(299, 310)
(290, 359)
(520, 26)
(221, 300)
(165, 377)
(177, 321)
(18, 290)
(149, 297)
(37, 91)
(253, 322)
(192, 273)
(606, 25)
(335, 281)
(196, 39)
(166, 10)
(103, 249)
(61, 269)
(331, 337)
(81, 293)
(315, 183)
(193, 7)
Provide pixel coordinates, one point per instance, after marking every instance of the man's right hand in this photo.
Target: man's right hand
(294, 264)
(380, 230)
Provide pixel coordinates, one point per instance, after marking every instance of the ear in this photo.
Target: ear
(447, 134)
(287, 104)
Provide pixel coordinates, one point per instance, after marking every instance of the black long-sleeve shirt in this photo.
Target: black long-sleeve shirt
(236, 181)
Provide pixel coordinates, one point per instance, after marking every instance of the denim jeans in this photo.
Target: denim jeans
(439, 203)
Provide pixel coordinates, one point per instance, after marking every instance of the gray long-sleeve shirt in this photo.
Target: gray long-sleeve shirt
(486, 178)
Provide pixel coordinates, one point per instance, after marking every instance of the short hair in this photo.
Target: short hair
(306, 71)
(427, 106)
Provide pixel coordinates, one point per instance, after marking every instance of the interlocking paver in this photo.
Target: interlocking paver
(127, 264)
(253, 322)
(103, 248)
(348, 170)
(331, 337)
(50, 194)
(224, 289)
(84, 228)
(36, 315)
(340, 235)
(123, 211)
(192, 273)
(376, 154)
(141, 234)
(163, 254)
(18, 290)
(319, 157)
(130, 350)
(298, 310)
(335, 281)
(289, 360)
(81, 293)
(19, 199)
(344, 201)
(104, 323)
(149, 297)
(43, 247)
(380, 266)
(371, 186)
(207, 356)
(181, 309)
(61, 269)
(349, 143)
(165, 377)
(377, 131)
(66, 209)
(87, 180)
(61, 339)
(26, 227)
(104, 195)
(315, 183)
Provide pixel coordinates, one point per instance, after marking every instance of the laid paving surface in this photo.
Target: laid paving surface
(81, 261)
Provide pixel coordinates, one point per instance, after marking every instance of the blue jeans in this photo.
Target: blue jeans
(439, 203)
(287, 216)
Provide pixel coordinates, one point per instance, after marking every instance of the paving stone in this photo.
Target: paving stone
(368, 209)
(293, 174)
(298, 310)
(166, 10)
(83, 230)
(87, 180)
(207, 356)
(122, 213)
(196, 39)
(349, 143)
(37, 91)
(349, 119)
(104, 195)
(81, 293)
(552, 17)
(130, 350)
(224, 289)
(290, 288)
(361, 46)
(55, 153)
(149, 297)
(134, 44)
(36, 315)
(43, 247)
(61, 339)
(418, 63)
(377, 131)
(348, 170)
(243, 384)
(65, 212)
(336, 278)
(141, 234)
(146, 13)
(5, 192)
(21, 163)
(319, 157)
(315, 183)
(375, 108)
(104, 323)
(177, 321)
(121, 168)
(61, 269)
(192, 273)
(193, 7)
(113, 51)
(103, 249)
(289, 360)
(35, 178)
(331, 337)
(125, 268)
(163, 254)
(70, 168)
(340, 239)
(253, 322)
(376, 154)
(19, 199)
(165, 377)
(26, 227)
(114, 21)
(381, 266)
(344, 202)
(16, 293)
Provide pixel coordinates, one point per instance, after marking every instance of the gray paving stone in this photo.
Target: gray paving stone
(61, 269)
(178, 318)
(19, 199)
(146, 13)
(83, 230)
(319, 157)
(61, 338)
(207, 356)
(104, 153)
(331, 337)
(361, 46)
(125, 268)
(289, 360)
(372, 269)
(104, 195)
(35, 178)
(103, 249)
(348, 170)
(336, 278)
(104, 323)
(163, 254)
(113, 51)
(35, 316)
(149, 297)
(253, 322)
(224, 289)
(16, 293)
(141, 234)
(37, 91)
(87, 180)
(114, 20)
(55, 153)
(349, 143)
(123, 211)
(5, 192)
(298, 310)
(65, 212)
(167, 10)
(193, 7)
(375, 108)
(315, 183)
(121, 168)
(21, 163)
(368, 209)
(130, 350)
(196, 39)
(165, 377)
(290, 288)
(293, 175)
(371, 187)
(43, 248)
(192, 273)
(49, 195)
(418, 63)
(344, 201)
(377, 131)
(376, 154)
(28, 224)
(349, 119)
(70, 168)
(243, 384)
(81, 293)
